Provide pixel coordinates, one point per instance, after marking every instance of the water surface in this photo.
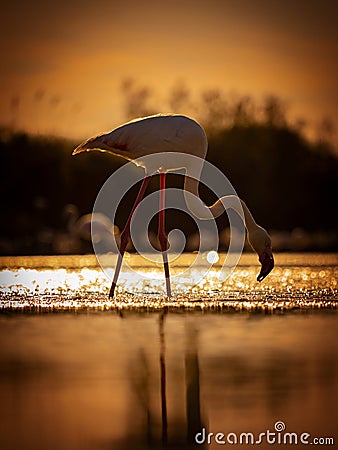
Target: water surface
(59, 282)
(100, 380)
(79, 372)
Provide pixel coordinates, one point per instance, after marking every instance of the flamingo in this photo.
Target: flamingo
(163, 133)
(95, 226)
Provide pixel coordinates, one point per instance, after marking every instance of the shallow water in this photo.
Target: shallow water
(79, 372)
(101, 380)
(63, 282)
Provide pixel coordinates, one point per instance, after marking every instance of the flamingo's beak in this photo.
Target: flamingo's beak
(267, 261)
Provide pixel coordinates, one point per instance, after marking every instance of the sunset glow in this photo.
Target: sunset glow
(65, 62)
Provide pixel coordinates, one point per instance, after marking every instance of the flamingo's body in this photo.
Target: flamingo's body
(154, 134)
(172, 133)
(94, 227)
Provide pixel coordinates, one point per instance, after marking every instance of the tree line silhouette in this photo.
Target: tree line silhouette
(289, 182)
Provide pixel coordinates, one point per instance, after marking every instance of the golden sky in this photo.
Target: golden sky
(63, 61)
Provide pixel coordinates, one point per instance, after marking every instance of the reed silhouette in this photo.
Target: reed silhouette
(254, 144)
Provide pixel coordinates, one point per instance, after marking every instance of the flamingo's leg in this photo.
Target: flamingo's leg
(126, 234)
(162, 237)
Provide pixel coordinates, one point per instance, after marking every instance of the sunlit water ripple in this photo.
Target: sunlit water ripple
(75, 282)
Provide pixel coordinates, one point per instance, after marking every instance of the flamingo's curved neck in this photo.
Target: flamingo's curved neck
(202, 211)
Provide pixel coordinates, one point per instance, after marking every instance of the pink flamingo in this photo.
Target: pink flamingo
(164, 133)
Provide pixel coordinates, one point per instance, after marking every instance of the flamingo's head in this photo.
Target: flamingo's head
(261, 242)
(267, 261)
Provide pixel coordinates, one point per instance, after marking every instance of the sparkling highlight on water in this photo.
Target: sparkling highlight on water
(75, 282)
